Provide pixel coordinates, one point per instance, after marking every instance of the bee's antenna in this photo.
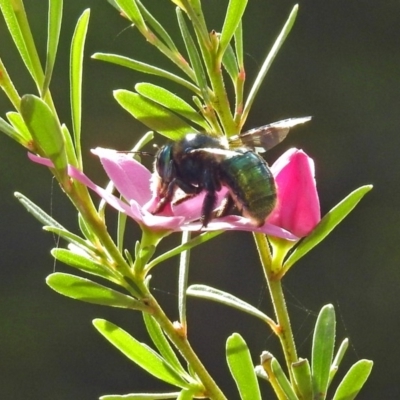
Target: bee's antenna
(142, 153)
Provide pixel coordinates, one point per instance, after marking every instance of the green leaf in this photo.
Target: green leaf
(153, 115)
(18, 26)
(75, 76)
(8, 87)
(89, 234)
(71, 238)
(233, 17)
(187, 394)
(10, 131)
(302, 375)
(327, 224)
(86, 290)
(157, 27)
(194, 56)
(145, 68)
(114, 4)
(239, 45)
(141, 396)
(37, 212)
(338, 359)
(53, 35)
(69, 146)
(171, 101)
(45, 130)
(163, 346)
(18, 123)
(139, 353)
(268, 62)
(322, 350)
(354, 380)
(86, 264)
(204, 237)
(210, 293)
(230, 64)
(241, 367)
(282, 380)
(132, 12)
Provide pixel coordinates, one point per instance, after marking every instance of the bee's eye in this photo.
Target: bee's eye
(163, 159)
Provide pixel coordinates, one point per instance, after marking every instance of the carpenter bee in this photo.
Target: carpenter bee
(199, 162)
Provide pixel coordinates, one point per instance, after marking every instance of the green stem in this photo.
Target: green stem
(179, 339)
(84, 204)
(278, 300)
(183, 280)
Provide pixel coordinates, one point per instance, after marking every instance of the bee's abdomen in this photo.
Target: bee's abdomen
(251, 184)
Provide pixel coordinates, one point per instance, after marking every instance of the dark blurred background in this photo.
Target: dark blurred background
(340, 64)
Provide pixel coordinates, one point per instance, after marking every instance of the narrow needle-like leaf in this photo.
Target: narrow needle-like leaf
(76, 71)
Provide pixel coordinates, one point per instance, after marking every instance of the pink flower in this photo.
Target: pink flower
(298, 208)
(296, 215)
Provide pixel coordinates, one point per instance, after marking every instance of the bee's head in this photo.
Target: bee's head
(162, 164)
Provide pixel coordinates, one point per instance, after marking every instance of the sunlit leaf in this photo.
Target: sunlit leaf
(157, 27)
(230, 64)
(210, 293)
(194, 56)
(241, 367)
(233, 17)
(131, 11)
(204, 237)
(8, 87)
(18, 123)
(145, 68)
(45, 130)
(85, 264)
(13, 133)
(239, 45)
(37, 212)
(153, 115)
(354, 380)
(338, 359)
(268, 62)
(282, 380)
(161, 342)
(53, 35)
(75, 74)
(71, 238)
(322, 350)
(139, 353)
(86, 290)
(302, 375)
(327, 224)
(17, 24)
(171, 101)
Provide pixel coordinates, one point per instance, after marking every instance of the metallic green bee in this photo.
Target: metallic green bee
(199, 162)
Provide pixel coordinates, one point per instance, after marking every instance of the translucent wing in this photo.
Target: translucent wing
(265, 137)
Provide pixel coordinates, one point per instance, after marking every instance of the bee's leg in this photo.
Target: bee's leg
(226, 207)
(189, 189)
(183, 199)
(211, 186)
(168, 194)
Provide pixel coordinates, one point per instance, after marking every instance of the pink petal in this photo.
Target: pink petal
(234, 222)
(192, 207)
(298, 208)
(40, 160)
(130, 177)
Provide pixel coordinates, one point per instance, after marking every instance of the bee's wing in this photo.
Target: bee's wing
(267, 136)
